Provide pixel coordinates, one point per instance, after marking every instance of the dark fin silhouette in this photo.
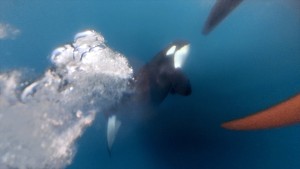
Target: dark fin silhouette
(109, 151)
(180, 83)
(219, 11)
(285, 113)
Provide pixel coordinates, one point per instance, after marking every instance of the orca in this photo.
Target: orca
(157, 79)
(163, 75)
(282, 114)
(219, 12)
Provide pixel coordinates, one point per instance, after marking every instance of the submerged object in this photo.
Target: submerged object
(155, 80)
(219, 12)
(285, 113)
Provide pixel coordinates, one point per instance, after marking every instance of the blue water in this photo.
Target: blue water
(248, 63)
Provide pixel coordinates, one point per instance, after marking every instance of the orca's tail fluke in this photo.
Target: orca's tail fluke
(219, 11)
(113, 125)
(285, 113)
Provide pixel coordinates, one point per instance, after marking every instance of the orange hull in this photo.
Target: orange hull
(285, 113)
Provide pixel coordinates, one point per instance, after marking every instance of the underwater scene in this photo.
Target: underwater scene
(149, 84)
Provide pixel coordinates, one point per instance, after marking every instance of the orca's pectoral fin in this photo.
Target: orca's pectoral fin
(180, 83)
(113, 126)
(219, 11)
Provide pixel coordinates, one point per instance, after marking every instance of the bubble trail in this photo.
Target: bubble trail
(40, 121)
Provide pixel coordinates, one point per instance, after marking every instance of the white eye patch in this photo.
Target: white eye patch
(181, 55)
(171, 51)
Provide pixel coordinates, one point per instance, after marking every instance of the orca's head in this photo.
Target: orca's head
(178, 52)
(163, 75)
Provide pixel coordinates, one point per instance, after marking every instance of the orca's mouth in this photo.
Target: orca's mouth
(181, 55)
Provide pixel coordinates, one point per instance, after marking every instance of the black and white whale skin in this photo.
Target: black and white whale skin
(219, 12)
(161, 76)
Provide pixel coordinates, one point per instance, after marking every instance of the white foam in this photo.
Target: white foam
(40, 124)
(8, 31)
